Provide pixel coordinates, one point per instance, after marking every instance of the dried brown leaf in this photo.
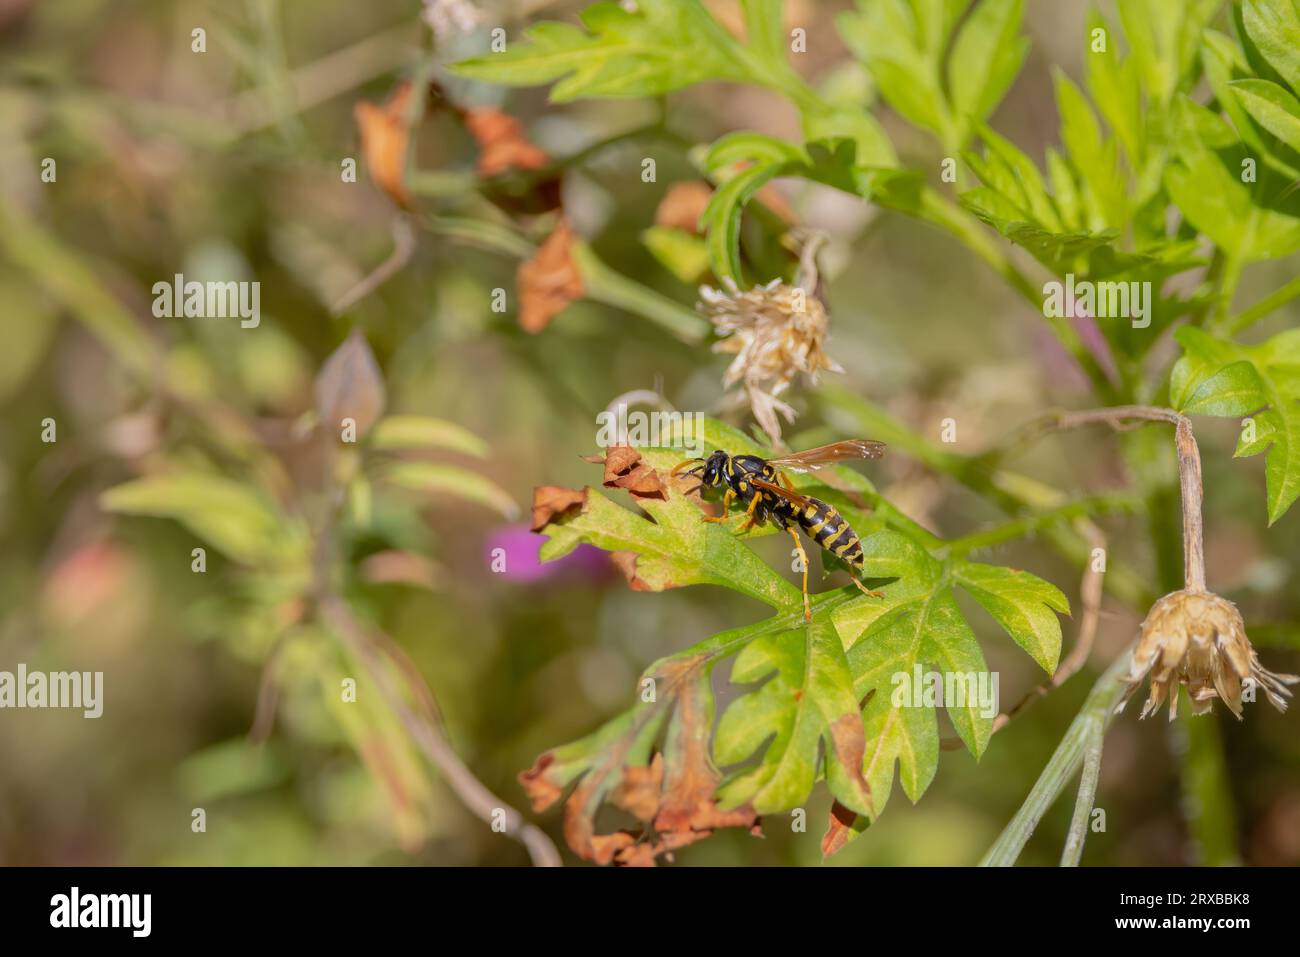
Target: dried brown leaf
(549, 281)
(503, 146)
(553, 501)
(384, 139)
(624, 469)
(350, 386)
(839, 829)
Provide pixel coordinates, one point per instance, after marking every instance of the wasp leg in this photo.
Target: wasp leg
(726, 504)
(865, 590)
(803, 560)
(750, 521)
(785, 480)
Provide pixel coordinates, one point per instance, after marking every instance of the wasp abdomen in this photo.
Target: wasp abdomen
(828, 529)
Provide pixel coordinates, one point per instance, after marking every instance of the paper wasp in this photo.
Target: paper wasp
(768, 495)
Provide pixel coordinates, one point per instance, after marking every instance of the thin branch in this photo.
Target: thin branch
(1083, 804)
(429, 737)
(374, 650)
(403, 248)
(1189, 471)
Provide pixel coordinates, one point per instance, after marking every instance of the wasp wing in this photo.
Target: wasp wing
(794, 498)
(813, 459)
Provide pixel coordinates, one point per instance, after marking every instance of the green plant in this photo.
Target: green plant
(1150, 184)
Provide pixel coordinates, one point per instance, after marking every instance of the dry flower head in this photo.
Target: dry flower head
(776, 333)
(1195, 638)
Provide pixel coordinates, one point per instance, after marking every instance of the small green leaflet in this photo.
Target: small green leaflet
(1272, 107)
(664, 46)
(1274, 28)
(1221, 378)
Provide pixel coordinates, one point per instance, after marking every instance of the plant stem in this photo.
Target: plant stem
(1086, 507)
(1083, 804)
(605, 285)
(1207, 797)
(1095, 716)
(1262, 308)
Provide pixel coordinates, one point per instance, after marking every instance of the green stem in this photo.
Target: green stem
(1086, 507)
(1093, 719)
(605, 285)
(1207, 797)
(1083, 804)
(1262, 308)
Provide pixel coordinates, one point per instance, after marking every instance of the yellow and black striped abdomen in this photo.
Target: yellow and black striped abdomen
(827, 528)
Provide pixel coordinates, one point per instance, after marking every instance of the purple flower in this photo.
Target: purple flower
(512, 551)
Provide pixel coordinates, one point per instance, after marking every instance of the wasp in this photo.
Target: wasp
(768, 496)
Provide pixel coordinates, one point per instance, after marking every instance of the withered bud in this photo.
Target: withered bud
(1195, 638)
(776, 333)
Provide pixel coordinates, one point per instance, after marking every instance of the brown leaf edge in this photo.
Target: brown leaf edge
(672, 794)
(552, 502)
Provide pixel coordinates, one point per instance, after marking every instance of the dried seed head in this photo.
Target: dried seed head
(1197, 639)
(450, 17)
(776, 332)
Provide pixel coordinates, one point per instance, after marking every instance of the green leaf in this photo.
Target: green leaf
(1022, 604)
(722, 216)
(765, 28)
(806, 705)
(424, 432)
(873, 147)
(986, 57)
(1218, 377)
(228, 515)
(664, 46)
(918, 625)
(1056, 250)
(1274, 27)
(902, 54)
(1095, 159)
(1210, 193)
(1272, 108)
(683, 254)
(435, 478)
(1116, 88)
